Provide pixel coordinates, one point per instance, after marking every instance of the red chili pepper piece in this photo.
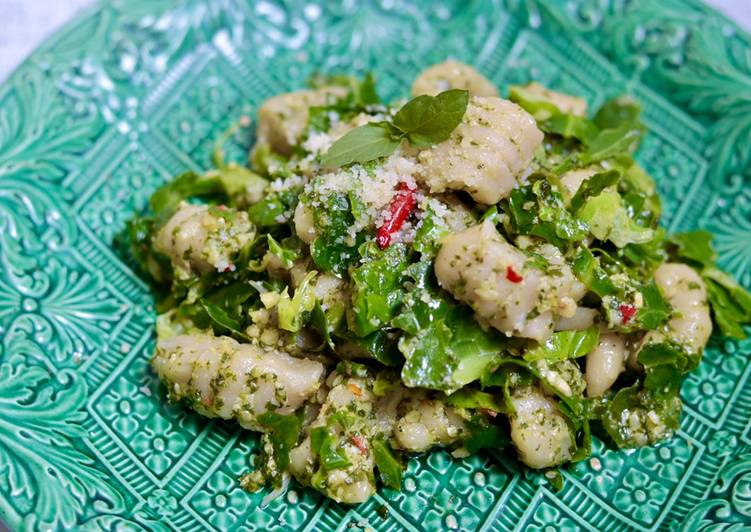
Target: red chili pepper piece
(512, 276)
(627, 312)
(359, 442)
(402, 205)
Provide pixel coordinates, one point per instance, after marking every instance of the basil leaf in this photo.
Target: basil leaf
(564, 345)
(362, 144)
(389, 467)
(695, 246)
(428, 120)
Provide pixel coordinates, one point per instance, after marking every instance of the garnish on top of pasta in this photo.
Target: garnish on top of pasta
(459, 271)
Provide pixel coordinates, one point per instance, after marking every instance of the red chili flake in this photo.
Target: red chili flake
(207, 400)
(488, 412)
(627, 312)
(229, 268)
(222, 207)
(402, 205)
(359, 442)
(512, 276)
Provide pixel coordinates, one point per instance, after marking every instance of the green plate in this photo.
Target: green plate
(133, 92)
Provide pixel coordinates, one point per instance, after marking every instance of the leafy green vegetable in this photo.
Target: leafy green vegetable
(655, 309)
(539, 210)
(535, 99)
(471, 398)
(730, 302)
(320, 321)
(593, 186)
(695, 246)
(286, 254)
(272, 209)
(427, 120)
(184, 186)
(640, 194)
(619, 111)
(389, 468)
(638, 403)
(323, 443)
(283, 431)
(362, 144)
(564, 345)
(664, 365)
(380, 345)
(484, 435)
(444, 347)
(235, 179)
(331, 250)
(293, 311)
(612, 143)
(429, 234)
(587, 269)
(222, 321)
(378, 289)
(608, 219)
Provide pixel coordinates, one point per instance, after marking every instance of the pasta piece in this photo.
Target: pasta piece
(685, 290)
(283, 118)
(198, 239)
(352, 402)
(539, 431)
(493, 277)
(223, 378)
(452, 75)
(426, 423)
(604, 363)
(485, 154)
(583, 318)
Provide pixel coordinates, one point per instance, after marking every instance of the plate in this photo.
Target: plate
(131, 93)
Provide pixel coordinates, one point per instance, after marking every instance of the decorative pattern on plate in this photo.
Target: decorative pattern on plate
(133, 92)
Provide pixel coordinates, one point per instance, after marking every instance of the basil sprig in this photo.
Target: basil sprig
(422, 121)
